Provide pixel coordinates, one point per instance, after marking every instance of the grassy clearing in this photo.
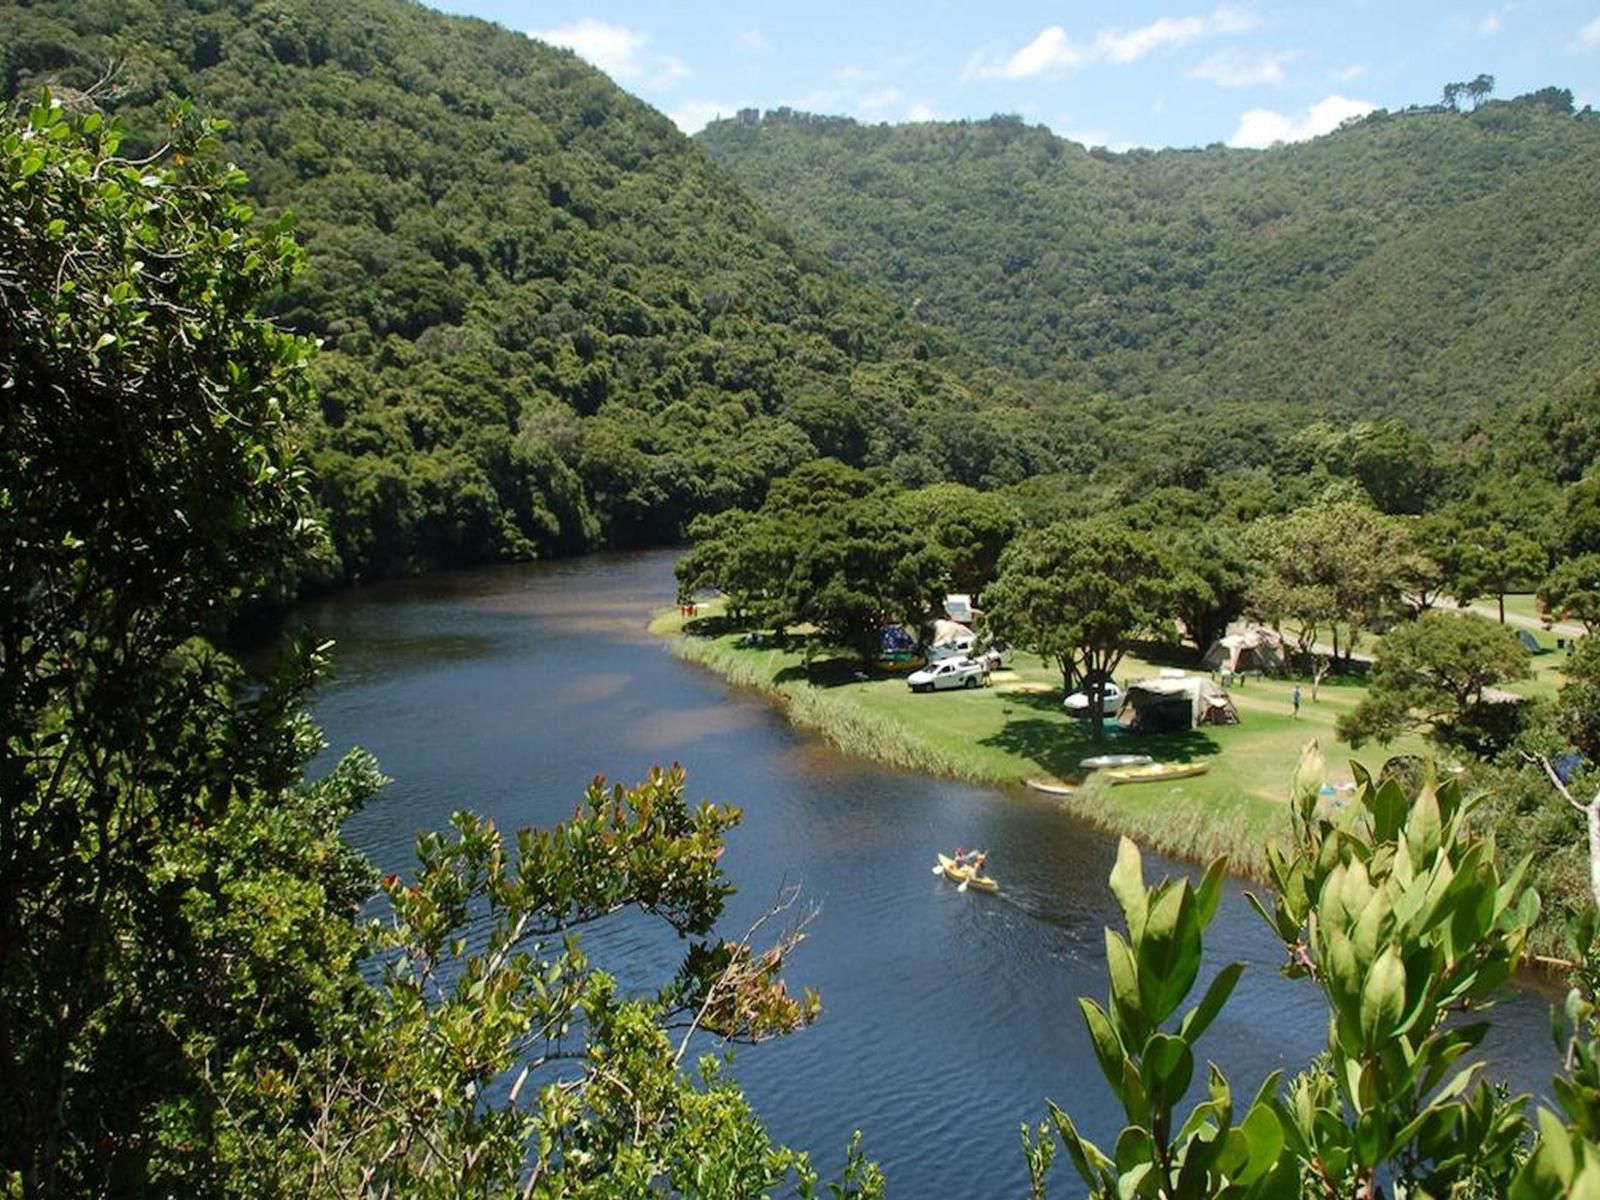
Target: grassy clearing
(1005, 734)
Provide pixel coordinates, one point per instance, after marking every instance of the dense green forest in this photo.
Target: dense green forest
(1430, 264)
(549, 322)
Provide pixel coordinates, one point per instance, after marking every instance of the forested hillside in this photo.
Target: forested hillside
(1429, 264)
(549, 322)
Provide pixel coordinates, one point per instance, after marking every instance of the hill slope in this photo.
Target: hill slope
(550, 321)
(1426, 264)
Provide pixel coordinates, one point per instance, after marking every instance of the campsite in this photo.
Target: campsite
(1016, 729)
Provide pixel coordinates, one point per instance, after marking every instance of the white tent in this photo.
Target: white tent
(945, 632)
(1254, 648)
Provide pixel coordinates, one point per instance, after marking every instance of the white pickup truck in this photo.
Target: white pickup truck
(948, 673)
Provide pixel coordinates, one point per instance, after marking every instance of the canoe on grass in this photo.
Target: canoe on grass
(1115, 760)
(966, 875)
(1156, 772)
(1051, 785)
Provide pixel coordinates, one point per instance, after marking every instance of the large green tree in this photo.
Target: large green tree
(1329, 570)
(1491, 558)
(1580, 699)
(1571, 592)
(1438, 673)
(970, 527)
(173, 900)
(1210, 583)
(1079, 593)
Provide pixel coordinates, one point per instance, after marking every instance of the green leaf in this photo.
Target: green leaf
(1125, 986)
(1127, 885)
(1134, 1147)
(1372, 1138)
(1209, 894)
(1551, 1166)
(1198, 1019)
(1388, 807)
(1166, 1069)
(1108, 1050)
(1263, 1133)
(1424, 828)
(1086, 1157)
(1383, 997)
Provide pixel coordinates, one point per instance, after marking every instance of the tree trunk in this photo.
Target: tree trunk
(1097, 709)
(1502, 608)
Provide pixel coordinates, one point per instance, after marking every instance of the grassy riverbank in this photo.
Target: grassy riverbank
(1017, 729)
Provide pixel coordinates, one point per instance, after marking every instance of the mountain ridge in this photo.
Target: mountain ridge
(1188, 276)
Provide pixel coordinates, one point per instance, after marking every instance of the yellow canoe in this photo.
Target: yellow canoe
(966, 875)
(1155, 772)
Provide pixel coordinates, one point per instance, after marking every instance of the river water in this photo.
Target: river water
(947, 1018)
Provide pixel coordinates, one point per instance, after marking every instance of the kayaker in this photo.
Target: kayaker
(978, 859)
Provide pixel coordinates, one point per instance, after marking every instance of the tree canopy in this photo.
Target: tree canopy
(1438, 673)
(1079, 593)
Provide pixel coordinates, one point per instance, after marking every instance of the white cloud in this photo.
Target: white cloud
(1261, 127)
(616, 50)
(1054, 48)
(754, 41)
(880, 100)
(673, 70)
(1490, 24)
(1349, 74)
(921, 111)
(613, 48)
(694, 115)
(1589, 35)
(1236, 70)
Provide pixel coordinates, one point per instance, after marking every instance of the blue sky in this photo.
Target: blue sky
(1130, 74)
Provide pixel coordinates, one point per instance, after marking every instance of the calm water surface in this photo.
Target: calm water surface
(947, 1018)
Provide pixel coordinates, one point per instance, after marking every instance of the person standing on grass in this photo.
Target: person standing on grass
(1295, 701)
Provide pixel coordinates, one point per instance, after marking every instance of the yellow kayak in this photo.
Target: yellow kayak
(1155, 772)
(966, 875)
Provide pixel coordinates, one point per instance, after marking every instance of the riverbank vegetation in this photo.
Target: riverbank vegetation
(815, 576)
(1016, 730)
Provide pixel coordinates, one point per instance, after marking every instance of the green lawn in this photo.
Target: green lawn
(1005, 735)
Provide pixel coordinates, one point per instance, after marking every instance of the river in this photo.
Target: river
(947, 1018)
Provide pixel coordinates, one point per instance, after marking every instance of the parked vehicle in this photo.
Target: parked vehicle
(999, 654)
(960, 648)
(950, 673)
(1111, 701)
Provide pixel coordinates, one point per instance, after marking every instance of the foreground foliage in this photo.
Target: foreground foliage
(174, 901)
(1396, 909)
(189, 1002)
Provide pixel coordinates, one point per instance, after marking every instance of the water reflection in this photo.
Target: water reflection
(948, 1018)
